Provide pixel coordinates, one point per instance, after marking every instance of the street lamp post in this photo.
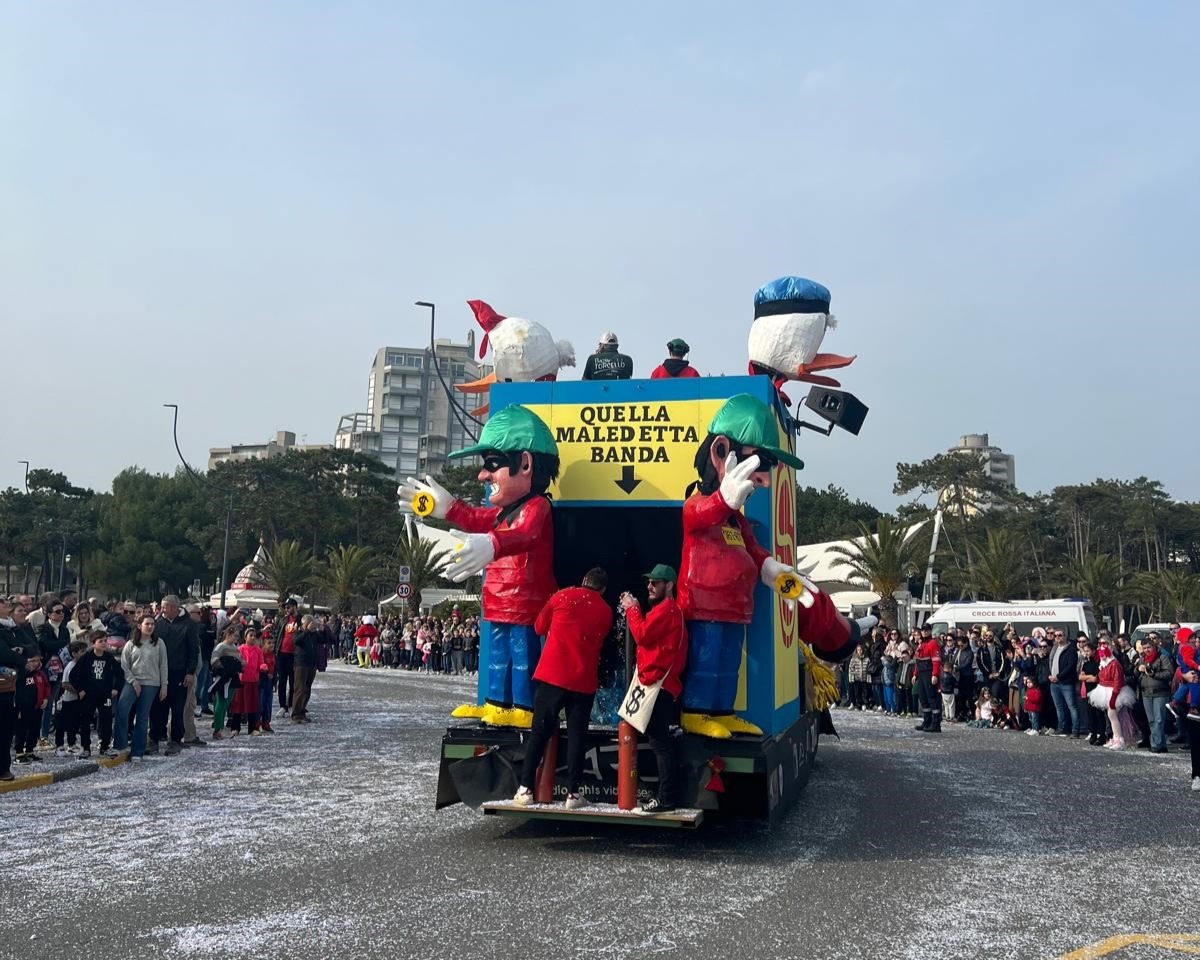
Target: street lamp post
(228, 507)
(461, 413)
(26, 462)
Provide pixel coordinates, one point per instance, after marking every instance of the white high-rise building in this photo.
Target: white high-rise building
(410, 423)
(1000, 466)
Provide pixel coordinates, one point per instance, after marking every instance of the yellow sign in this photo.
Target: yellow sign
(626, 452)
(733, 536)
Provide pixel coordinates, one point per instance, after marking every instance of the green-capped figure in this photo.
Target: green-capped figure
(513, 538)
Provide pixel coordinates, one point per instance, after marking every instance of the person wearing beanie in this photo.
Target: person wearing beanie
(1187, 658)
(675, 366)
(607, 363)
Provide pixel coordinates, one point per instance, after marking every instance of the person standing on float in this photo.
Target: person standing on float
(512, 539)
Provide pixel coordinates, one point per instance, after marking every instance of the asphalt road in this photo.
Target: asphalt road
(322, 842)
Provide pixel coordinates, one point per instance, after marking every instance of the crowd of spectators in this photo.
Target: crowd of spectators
(429, 644)
(1042, 684)
(138, 677)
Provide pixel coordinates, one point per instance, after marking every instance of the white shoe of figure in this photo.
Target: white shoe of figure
(574, 801)
(1196, 784)
(524, 797)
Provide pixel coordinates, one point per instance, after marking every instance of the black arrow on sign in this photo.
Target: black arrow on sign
(628, 482)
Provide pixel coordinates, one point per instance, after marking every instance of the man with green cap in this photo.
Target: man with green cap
(721, 562)
(662, 649)
(513, 538)
(675, 366)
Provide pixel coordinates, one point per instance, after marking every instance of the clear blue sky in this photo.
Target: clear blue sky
(230, 206)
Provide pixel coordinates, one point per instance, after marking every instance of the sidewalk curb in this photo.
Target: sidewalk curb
(66, 773)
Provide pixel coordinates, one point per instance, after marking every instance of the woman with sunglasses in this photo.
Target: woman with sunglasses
(53, 638)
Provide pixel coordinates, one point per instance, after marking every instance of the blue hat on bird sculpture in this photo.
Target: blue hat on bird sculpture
(791, 295)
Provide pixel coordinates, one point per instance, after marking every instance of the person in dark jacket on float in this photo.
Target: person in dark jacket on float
(179, 634)
(608, 363)
(675, 366)
(661, 638)
(575, 622)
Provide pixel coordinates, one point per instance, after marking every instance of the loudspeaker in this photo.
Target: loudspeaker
(838, 407)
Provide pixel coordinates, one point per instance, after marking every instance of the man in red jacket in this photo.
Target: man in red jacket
(575, 622)
(675, 366)
(513, 540)
(662, 646)
(929, 675)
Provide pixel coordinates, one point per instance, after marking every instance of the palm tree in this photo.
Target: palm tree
(885, 559)
(1098, 577)
(424, 560)
(1181, 590)
(349, 572)
(288, 569)
(1001, 566)
(1168, 595)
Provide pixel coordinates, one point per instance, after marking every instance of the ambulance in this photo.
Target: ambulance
(1071, 615)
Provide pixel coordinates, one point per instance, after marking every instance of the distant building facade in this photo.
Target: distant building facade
(284, 441)
(998, 465)
(410, 423)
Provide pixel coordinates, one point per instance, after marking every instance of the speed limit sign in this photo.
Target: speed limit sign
(403, 591)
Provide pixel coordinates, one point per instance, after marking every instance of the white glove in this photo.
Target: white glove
(866, 624)
(737, 485)
(772, 570)
(464, 562)
(412, 488)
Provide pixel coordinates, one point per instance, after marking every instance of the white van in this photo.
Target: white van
(1162, 629)
(1071, 615)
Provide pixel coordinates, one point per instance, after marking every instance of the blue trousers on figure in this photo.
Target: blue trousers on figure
(714, 659)
(513, 651)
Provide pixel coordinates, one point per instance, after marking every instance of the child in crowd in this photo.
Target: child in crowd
(906, 673)
(984, 710)
(1033, 707)
(32, 696)
(246, 700)
(856, 671)
(948, 685)
(266, 685)
(99, 679)
(226, 666)
(66, 720)
(1187, 658)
